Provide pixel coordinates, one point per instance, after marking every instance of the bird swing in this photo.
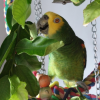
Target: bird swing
(54, 91)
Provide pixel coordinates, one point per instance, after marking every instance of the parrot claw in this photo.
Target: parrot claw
(83, 85)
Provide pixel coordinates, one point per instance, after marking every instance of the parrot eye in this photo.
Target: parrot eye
(57, 20)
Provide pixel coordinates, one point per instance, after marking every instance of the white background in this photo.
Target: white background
(74, 16)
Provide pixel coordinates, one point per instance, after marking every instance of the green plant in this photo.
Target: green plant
(19, 50)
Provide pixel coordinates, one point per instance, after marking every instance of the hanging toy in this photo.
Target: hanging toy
(60, 93)
(45, 92)
(44, 81)
(68, 62)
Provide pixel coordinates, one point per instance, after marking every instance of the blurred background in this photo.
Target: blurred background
(74, 16)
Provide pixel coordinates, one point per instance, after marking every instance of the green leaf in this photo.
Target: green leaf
(29, 1)
(26, 76)
(40, 46)
(21, 10)
(6, 47)
(29, 61)
(80, 2)
(9, 17)
(33, 30)
(13, 21)
(7, 68)
(75, 1)
(13, 31)
(23, 33)
(4, 88)
(91, 12)
(18, 91)
(98, 1)
(14, 28)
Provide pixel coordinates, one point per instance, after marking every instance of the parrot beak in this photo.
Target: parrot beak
(42, 25)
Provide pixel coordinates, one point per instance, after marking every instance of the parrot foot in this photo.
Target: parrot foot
(83, 85)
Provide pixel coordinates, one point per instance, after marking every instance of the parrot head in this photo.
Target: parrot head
(56, 27)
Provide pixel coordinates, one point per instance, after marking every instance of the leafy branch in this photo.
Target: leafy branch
(19, 50)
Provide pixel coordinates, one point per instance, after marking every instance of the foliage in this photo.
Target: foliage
(25, 75)
(17, 89)
(21, 11)
(18, 54)
(29, 61)
(77, 2)
(91, 12)
(6, 46)
(4, 88)
(40, 43)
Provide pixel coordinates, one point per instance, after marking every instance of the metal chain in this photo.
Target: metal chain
(38, 14)
(38, 9)
(96, 71)
(42, 70)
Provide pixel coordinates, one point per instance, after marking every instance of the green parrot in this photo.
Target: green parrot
(68, 62)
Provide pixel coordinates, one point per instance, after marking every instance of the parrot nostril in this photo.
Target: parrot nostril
(46, 17)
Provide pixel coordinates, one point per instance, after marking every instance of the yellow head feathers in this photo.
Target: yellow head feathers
(55, 22)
